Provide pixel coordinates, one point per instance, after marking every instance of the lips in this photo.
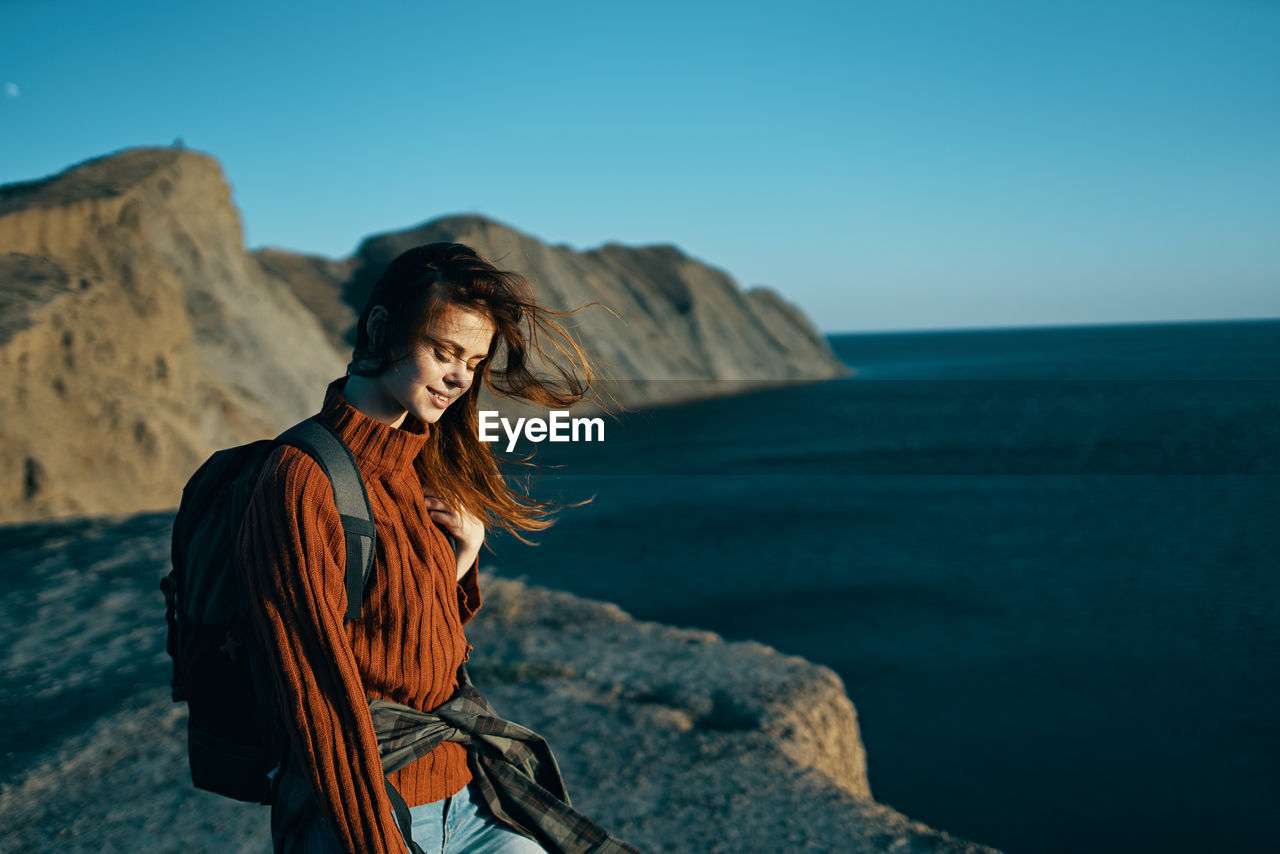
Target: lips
(440, 400)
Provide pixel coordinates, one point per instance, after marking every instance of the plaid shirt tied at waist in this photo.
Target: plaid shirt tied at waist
(513, 767)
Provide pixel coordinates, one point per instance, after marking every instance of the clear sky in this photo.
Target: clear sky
(885, 165)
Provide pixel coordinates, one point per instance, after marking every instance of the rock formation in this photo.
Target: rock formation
(138, 336)
(672, 738)
(661, 326)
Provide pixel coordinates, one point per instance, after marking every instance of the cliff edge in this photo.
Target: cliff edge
(673, 738)
(138, 336)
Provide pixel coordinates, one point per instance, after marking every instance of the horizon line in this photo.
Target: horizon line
(1053, 325)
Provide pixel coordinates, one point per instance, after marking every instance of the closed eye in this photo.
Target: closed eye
(448, 358)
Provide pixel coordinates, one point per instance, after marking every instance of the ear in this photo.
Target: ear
(374, 326)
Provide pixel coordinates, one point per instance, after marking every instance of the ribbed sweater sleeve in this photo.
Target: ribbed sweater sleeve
(291, 552)
(469, 592)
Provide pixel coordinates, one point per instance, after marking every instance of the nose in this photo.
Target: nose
(458, 376)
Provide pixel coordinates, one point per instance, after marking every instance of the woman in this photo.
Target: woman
(441, 322)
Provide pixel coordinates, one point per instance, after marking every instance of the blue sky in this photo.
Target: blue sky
(890, 165)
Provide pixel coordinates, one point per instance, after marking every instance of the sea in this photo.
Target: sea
(1045, 562)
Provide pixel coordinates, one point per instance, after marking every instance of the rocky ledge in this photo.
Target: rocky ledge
(673, 738)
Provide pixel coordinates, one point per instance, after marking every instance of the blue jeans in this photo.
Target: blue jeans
(462, 824)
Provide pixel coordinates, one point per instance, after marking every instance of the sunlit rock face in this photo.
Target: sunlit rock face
(138, 336)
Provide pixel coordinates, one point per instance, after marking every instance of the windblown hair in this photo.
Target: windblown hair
(416, 289)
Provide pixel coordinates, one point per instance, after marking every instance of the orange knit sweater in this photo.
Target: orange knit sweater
(406, 646)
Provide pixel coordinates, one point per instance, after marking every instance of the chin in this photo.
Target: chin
(428, 413)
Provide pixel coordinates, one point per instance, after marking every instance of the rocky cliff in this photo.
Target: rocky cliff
(660, 326)
(672, 738)
(137, 335)
(674, 318)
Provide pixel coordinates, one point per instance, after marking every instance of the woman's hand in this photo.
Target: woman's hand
(465, 528)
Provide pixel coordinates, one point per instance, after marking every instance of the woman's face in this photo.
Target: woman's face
(435, 375)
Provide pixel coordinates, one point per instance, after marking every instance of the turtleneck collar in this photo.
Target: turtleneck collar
(377, 447)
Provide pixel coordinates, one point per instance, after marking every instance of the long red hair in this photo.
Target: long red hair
(531, 358)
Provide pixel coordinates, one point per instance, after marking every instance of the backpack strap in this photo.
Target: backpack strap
(339, 465)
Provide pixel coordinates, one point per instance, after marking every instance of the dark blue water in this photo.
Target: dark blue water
(1046, 563)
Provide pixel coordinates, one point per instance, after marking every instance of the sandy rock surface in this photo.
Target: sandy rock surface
(672, 738)
(138, 336)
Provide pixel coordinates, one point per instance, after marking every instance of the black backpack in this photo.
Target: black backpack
(234, 740)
